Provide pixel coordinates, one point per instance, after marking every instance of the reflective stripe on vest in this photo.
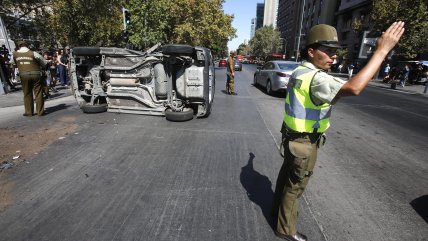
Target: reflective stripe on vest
(301, 114)
(26, 62)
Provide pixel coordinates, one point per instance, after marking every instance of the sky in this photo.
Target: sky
(244, 11)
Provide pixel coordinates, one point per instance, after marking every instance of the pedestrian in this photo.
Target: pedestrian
(386, 70)
(311, 94)
(67, 61)
(392, 74)
(4, 65)
(350, 70)
(230, 82)
(405, 76)
(30, 65)
(425, 77)
(53, 71)
(62, 68)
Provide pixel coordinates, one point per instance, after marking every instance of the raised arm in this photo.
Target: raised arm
(385, 44)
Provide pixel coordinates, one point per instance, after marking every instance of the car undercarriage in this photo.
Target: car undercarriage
(175, 81)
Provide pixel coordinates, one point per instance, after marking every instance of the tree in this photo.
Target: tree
(243, 49)
(87, 22)
(266, 41)
(16, 15)
(191, 22)
(415, 15)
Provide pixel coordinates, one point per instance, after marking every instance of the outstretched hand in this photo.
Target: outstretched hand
(390, 37)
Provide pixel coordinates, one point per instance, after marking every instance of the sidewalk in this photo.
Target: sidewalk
(16, 97)
(415, 89)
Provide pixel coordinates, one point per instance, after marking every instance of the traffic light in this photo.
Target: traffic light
(126, 18)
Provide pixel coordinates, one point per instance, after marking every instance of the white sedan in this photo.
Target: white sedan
(274, 75)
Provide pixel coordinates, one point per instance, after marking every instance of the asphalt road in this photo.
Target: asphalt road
(132, 177)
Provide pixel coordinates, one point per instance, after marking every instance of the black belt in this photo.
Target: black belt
(313, 136)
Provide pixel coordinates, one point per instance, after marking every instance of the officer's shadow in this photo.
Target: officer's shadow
(259, 189)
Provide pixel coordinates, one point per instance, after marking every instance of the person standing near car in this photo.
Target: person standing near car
(30, 65)
(311, 94)
(230, 82)
(62, 65)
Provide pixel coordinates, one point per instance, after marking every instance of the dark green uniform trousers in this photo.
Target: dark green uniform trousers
(230, 84)
(300, 154)
(32, 83)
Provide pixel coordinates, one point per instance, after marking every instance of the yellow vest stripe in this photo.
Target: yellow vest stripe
(301, 114)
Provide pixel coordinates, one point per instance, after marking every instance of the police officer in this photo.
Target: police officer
(30, 65)
(230, 82)
(311, 93)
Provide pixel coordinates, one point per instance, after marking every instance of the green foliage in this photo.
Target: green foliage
(342, 54)
(415, 15)
(191, 22)
(266, 41)
(243, 49)
(14, 11)
(87, 22)
(100, 22)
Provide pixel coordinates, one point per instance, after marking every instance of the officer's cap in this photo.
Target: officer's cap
(324, 35)
(22, 43)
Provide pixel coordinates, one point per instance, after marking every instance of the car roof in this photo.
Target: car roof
(283, 62)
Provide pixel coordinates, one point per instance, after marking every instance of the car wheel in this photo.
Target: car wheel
(89, 109)
(255, 81)
(185, 115)
(177, 49)
(269, 88)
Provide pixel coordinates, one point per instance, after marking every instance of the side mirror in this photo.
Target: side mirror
(259, 67)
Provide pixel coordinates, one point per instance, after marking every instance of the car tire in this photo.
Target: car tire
(269, 87)
(210, 104)
(86, 51)
(90, 109)
(178, 49)
(185, 115)
(254, 81)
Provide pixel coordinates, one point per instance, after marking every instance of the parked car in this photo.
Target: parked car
(238, 65)
(222, 63)
(274, 75)
(176, 81)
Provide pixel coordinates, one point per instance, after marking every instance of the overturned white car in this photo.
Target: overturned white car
(176, 81)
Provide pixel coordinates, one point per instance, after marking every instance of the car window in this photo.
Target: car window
(288, 66)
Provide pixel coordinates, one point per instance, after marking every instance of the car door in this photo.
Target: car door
(264, 73)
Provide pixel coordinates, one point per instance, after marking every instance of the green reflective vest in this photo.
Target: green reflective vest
(301, 114)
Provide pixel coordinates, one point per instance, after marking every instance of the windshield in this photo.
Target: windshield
(288, 66)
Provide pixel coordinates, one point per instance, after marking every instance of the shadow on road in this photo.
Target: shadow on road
(420, 205)
(224, 92)
(259, 189)
(55, 108)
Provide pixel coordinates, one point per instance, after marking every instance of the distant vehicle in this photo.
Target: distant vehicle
(274, 75)
(238, 65)
(222, 63)
(239, 57)
(176, 81)
(272, 57)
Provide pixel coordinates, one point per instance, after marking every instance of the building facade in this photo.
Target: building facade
(353, 18)
(253, 27)
(270, 13)
(287, 24)
(295, 18)
(260, 11)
